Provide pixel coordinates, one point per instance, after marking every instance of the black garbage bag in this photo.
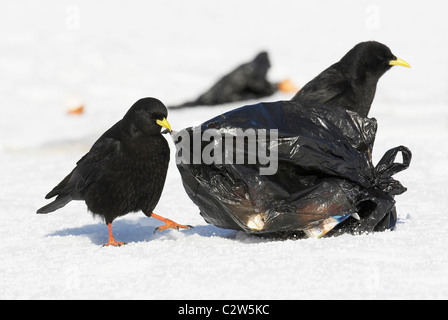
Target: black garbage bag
(247, 81)
(312, 175)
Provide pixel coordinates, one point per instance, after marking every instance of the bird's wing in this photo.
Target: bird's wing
(89, 168)
(96, 161)
(326, 87)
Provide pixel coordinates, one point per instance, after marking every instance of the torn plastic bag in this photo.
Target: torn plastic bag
(324, 182)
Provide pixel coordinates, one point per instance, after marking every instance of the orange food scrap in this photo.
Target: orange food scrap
(78, 110)
(287, 86)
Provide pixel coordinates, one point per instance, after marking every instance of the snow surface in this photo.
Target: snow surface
(108, 54)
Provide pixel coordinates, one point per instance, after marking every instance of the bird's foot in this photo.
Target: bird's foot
(112, 242)
(169, 224)
(172, 225)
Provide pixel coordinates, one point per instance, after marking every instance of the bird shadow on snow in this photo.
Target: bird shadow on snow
(143, 230)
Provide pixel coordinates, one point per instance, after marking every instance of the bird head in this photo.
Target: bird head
(147, 116)
(370, 58)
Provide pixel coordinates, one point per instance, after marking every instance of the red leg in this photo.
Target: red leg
(112, 241)
(169, 224)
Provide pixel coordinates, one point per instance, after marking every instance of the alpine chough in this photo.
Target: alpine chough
(124, 171)
(247, 81)
(351, 82)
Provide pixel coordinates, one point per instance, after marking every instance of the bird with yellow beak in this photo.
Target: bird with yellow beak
(124, 171)
(351, 82)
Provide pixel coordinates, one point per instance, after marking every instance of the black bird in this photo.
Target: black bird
(247, 81)
(124, 171)
(351, 82)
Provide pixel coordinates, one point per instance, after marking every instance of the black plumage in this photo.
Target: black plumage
(247, 81)
(351, 82)
(125, 169)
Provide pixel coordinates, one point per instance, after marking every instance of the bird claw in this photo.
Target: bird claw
(114, 244)
(172, 225)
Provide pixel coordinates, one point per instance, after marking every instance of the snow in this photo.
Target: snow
(108, 54)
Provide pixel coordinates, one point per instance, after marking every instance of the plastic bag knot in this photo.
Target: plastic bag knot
(387, 167)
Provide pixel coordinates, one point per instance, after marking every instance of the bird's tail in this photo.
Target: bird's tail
(58, 203)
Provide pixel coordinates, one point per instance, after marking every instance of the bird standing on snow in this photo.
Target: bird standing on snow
(124, 171)
(247, 81)
(351, 82)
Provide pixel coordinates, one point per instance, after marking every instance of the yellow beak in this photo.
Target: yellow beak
(399, 62)
(164, 123)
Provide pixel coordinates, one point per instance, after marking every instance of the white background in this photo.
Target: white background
(108, 54)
